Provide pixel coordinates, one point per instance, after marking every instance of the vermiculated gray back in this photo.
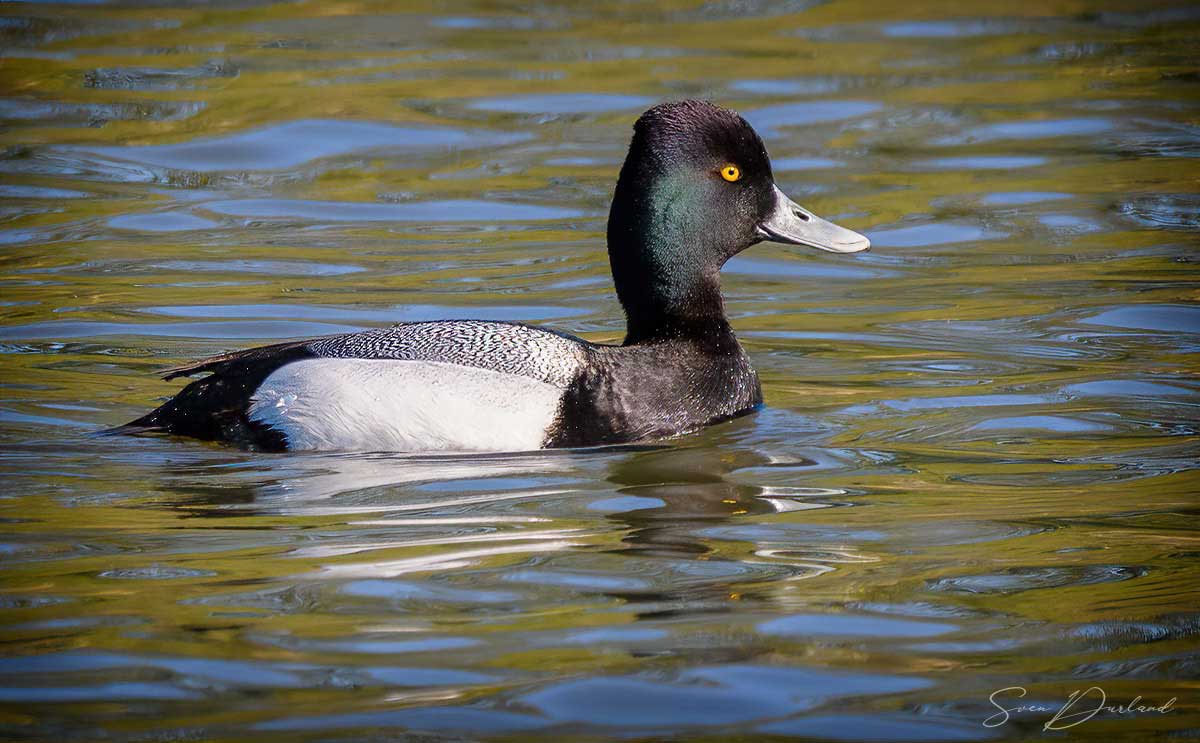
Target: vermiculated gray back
(504, 347)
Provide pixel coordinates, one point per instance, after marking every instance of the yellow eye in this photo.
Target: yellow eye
(731, 173)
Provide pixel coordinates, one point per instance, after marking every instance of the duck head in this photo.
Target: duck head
(695, 190)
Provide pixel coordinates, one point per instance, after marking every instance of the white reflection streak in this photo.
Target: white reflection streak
(453, 521)
(322, 478)
(470, 499)
(446, 561)
(426, 697)
(784, 491)
(464, 539)
(842, 556)
(784, 505)
(304, 510)
(814, 565)
(781, 497)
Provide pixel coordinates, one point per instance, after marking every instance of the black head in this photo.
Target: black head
(696, 189)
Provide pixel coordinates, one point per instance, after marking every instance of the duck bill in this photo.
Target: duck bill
(792, 224)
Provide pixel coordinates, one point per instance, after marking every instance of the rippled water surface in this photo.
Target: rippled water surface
(976, 468)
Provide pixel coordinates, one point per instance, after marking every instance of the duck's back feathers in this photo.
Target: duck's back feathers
(509, 348)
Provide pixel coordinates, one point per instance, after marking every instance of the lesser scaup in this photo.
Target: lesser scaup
(696, 189)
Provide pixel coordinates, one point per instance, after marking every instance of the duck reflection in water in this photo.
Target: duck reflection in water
(460, 512)
(681, 495)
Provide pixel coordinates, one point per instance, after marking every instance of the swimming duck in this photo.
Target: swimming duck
(696, 189)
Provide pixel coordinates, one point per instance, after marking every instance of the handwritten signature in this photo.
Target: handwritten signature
(1080, 707)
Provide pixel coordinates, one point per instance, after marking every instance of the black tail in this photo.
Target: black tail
(216, 407)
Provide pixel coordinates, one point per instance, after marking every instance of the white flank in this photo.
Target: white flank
(387, 405)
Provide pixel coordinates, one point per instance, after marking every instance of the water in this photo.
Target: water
(976, 468)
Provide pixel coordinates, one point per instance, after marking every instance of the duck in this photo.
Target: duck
(696, 188)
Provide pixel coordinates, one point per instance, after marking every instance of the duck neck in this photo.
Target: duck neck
(665, 277)
(658, 309)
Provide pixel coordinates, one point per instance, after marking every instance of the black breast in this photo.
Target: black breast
(653, 390)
